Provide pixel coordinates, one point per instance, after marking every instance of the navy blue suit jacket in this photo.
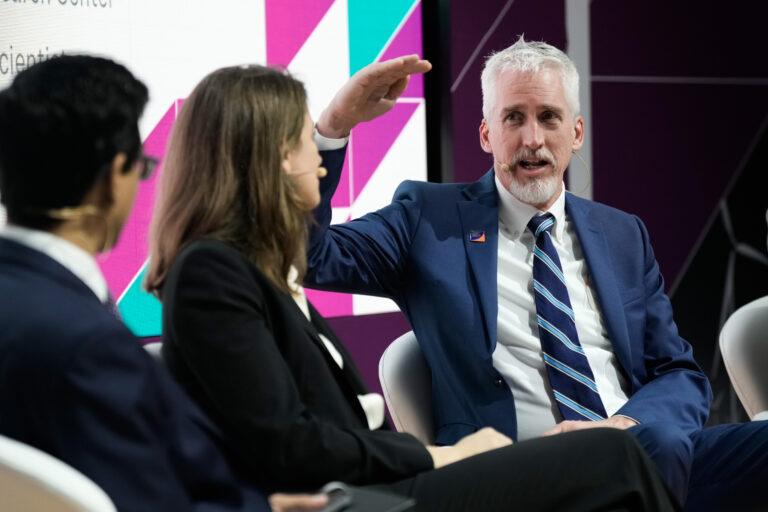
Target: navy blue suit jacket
(76, 383)
(417, 252)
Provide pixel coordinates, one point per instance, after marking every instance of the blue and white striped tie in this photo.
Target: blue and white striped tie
(569, 374)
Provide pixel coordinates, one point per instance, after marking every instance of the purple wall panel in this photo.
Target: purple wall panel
(680, 38)
(666, 152)
(366, 337)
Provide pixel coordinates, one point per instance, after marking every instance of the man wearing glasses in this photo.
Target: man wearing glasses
(74, 381)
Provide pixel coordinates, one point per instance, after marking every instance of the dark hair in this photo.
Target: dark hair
(62, 122)
(222, 176)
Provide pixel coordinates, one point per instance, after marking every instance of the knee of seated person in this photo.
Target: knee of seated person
(664, 441)
(611, 441)
(619, 439)
(618, 450)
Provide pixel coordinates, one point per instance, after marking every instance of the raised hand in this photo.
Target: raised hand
(371, 92)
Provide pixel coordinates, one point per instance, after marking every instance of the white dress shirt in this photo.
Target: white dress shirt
(372, 403)
(327, 144)
(518, 350)
(70, 256)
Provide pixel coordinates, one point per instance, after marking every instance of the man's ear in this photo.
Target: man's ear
(113, 179)
(578, 132)
(485, 142)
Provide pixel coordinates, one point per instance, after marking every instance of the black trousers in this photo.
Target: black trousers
(588, 470)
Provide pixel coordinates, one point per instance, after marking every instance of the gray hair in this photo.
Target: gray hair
(529, 57)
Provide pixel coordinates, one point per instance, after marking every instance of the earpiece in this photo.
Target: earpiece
(322, 172)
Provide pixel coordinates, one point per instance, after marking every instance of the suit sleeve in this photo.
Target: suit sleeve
(105, 418)
(221, 323)
(674, 389)
(108, 410)
(366, 255)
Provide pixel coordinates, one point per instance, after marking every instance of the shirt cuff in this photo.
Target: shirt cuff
(326, 144)
(629, 418)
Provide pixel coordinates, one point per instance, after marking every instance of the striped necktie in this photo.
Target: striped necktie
(567, 367)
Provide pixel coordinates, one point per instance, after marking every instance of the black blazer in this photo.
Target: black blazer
(76, 383)
(246, 352)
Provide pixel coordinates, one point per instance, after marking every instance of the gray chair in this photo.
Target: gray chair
(744, 347)
(31, 479)
(406, 383)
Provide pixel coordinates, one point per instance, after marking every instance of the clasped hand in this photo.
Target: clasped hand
(620, 422)
(483, 440)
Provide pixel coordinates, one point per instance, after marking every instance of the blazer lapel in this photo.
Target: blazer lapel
(348, 378)
(479, 218)
(597, 255)
(351, 372)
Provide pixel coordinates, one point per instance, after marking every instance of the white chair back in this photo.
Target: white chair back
(744, 347)
(31, 479)
(407, 386)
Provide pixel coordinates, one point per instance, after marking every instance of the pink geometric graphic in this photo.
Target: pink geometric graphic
(330, 303)
(372, 141)
(406, 42)
(289, 25)
(126, 259)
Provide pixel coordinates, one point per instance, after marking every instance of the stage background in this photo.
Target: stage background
(675, 96)
(172, 44)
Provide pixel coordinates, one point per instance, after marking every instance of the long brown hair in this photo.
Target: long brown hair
(222, 175)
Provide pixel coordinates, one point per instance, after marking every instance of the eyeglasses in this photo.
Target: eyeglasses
(146, 165)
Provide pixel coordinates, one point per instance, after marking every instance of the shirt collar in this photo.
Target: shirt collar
(70, 256)
(293, 275)
(514, 215)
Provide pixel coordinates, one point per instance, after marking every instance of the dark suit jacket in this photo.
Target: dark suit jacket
(248, 355)
(76, 383)
(417, 252)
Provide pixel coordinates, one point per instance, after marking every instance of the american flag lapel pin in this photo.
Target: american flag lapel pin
(477, 236)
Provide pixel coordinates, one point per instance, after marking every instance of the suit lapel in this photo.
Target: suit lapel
(348, 378)
(479, 217)
(351, 372)
(598, 257)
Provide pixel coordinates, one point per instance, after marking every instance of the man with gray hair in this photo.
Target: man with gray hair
(539, 312)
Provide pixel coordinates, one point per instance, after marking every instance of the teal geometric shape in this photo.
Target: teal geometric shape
(371, 25)
(141, 312)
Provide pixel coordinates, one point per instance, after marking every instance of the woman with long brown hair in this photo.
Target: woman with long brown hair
(227, 258)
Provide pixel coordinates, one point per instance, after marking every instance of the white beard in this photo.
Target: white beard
(536, 190)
